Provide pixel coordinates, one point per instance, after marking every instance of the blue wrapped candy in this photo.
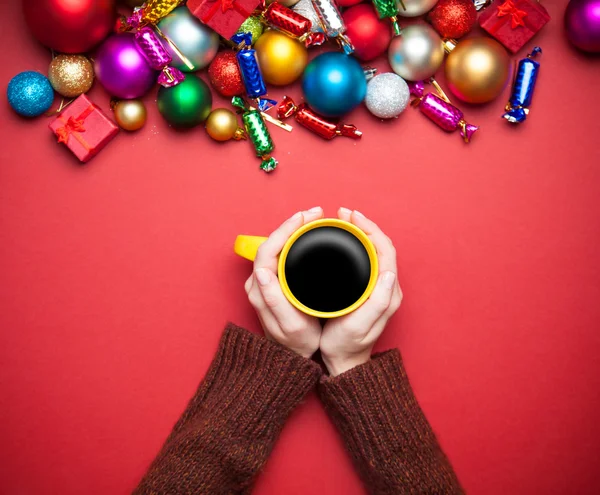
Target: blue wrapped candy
(523, 88)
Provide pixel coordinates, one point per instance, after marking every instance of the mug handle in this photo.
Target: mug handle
(246, 246)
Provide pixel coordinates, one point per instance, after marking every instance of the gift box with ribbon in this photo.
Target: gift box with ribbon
(514, 22)
(223, 16)
(83, 128)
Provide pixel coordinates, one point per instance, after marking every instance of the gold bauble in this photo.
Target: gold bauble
(130, 114)
(71, 75)
(282, 59)
(477, 70)
(222, 125)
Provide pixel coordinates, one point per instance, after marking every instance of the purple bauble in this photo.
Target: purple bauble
(122, 69)
(582, 22)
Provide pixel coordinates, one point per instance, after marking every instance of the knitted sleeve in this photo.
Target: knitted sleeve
(385, 431)
(230, 426)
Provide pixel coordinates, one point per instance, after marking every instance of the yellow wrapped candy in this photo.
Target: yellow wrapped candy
(155, 10)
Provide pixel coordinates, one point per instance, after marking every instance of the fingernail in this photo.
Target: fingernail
(296, 216)
(345, 211)
(316, 209)
(359, 214)
(388, 280)
(262, 276)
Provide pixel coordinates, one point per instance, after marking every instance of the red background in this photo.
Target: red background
(118, 276)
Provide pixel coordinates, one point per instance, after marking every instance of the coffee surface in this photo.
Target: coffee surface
(327, 269)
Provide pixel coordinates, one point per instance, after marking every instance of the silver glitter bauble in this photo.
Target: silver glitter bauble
(415, 8)
(196, 41)
(417, 53)
(306, 9)
(387, 95)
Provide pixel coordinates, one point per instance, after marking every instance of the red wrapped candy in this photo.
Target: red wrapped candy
(84, 128)
(514, 22)
(223, 16)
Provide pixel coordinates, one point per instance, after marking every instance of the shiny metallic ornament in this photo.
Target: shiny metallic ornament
(282, 59)
(130, 115)
(222, 125)
(71, 75)
(197, 42)
(417, 53)
(415, 8)
(387, 95)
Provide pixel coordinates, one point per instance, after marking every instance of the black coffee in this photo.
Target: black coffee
(327, 269)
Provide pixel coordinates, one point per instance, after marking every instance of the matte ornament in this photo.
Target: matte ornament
(387, 95)
(225, 75)
(186, 105)
(582, 24)
(71, 75)
(282, 59)
(130, 115)
(415, 8)
(30, 94)
(369, 34)
(453, 18)
(417, 53)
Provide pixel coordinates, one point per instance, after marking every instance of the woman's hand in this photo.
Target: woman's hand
(280, 320)
(348, 341)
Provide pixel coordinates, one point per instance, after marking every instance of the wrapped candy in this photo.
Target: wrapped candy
(480, 4)
(158, 58)
(284, 19)
(306, 9)
(441, 111)
(257, 132)
(313, 122)
(388, 9)
(332, 22)
(154, 10)
(523, 88)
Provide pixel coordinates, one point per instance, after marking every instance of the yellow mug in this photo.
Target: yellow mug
(247, 246)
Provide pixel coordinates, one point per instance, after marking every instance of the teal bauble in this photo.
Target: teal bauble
(187, 104)
(334, 84)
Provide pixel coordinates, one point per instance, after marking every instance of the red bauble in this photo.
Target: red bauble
(70, 26)
(453, 18)
(347, 3)
(370, 36)
(224, 74)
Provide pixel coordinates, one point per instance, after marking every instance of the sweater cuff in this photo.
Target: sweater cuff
(253, 384)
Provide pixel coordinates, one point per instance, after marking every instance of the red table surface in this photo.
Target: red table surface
(117, 278)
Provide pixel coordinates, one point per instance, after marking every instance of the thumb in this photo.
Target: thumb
(269, 287)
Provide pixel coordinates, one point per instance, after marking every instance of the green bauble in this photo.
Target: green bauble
(187, 104)
(254, 26)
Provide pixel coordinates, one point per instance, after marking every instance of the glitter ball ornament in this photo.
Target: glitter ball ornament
(130, 114)
(453, 18)
(71, 75)
(225, 75)
(387, 95)
(254, 26)
(30, 94)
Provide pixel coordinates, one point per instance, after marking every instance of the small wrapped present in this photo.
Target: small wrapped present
(84, 128)
(223, 16)
(514, 22)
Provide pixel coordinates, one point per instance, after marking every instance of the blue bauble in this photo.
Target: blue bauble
(334, 84)
(30, 94)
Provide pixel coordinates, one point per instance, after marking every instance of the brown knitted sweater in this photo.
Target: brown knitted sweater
(226, 433)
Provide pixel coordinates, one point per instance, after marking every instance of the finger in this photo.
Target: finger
(386, 252)
(248, 284)
(376, 306)
(345, 214)
(274, 299)
(266, 256)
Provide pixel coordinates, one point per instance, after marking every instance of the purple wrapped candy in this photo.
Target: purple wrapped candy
(158, 58)
(441, 112)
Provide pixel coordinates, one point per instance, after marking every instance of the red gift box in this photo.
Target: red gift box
(223, 16)
(84, 128)
(514, 22)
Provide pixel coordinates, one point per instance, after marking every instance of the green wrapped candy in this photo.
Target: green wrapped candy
(388, 9)
(257, 133)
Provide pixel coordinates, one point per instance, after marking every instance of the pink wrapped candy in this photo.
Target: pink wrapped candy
(158, 58)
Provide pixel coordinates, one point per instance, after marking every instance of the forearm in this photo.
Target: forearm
(385, 431)
(228, 430)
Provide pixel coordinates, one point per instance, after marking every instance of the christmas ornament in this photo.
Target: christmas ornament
(257, 132)
(83, 128)
(514, 22)
(440, 111)
(157, 57)
(307, 10)
(313, 122)
(281, 58)
(417, 53)
(30, 94)
(387, 95)
(130, 115)
(254, 83)
(223, 16)
(187, 104)
(521, 96)
(222, 125)
(332, 23)
(254, 26)
(334, 84)
(122, 68)
(415, 8)
(369, 35)
(582, 24)
(197, 42)
(73, 26)
(71, 75)
(348, 3)
(477, 70)
(453, 18)
(225, 75)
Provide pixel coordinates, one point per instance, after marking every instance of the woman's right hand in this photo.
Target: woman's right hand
(348, 341)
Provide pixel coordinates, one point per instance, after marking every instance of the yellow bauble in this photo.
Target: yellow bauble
(477, 70)
(130, 114)
(222, 125)
(282, 59)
